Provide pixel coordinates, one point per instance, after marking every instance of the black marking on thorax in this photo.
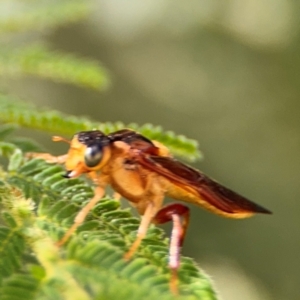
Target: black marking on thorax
(93, 137)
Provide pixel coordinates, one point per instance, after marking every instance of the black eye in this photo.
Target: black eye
(93, 155)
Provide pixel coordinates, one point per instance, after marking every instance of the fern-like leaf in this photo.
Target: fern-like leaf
(20, 16)
(38, 60)
(39, 206)
(12, 111)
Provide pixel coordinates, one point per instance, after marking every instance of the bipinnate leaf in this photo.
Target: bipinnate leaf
(56, 65)
(39, 206)
(23, 114)
(22, 16)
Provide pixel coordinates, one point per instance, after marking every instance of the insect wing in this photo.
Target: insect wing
(206, 188)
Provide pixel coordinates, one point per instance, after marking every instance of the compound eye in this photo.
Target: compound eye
(93, 155)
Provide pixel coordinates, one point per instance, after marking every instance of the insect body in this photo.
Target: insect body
(144, 172)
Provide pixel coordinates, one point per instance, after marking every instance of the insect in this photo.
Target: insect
(144, 172)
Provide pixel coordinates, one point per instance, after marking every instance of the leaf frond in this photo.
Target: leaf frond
(58, 66)
(19, 287)
(21, 16)
(39, 206)
(26, 115)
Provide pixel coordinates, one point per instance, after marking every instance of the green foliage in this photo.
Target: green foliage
(56, 65)
(39, 15)
(10, 143)
(20, 113)
(30, 58)
(38, 206)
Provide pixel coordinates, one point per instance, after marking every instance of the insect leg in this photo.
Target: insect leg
(61, 159)
(179, 214)
(117, 196)
(99, 192)
(146, 220)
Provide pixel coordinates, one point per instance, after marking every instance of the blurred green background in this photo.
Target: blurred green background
(225, 73)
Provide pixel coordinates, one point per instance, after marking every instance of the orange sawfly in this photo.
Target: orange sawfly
(144, 172)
